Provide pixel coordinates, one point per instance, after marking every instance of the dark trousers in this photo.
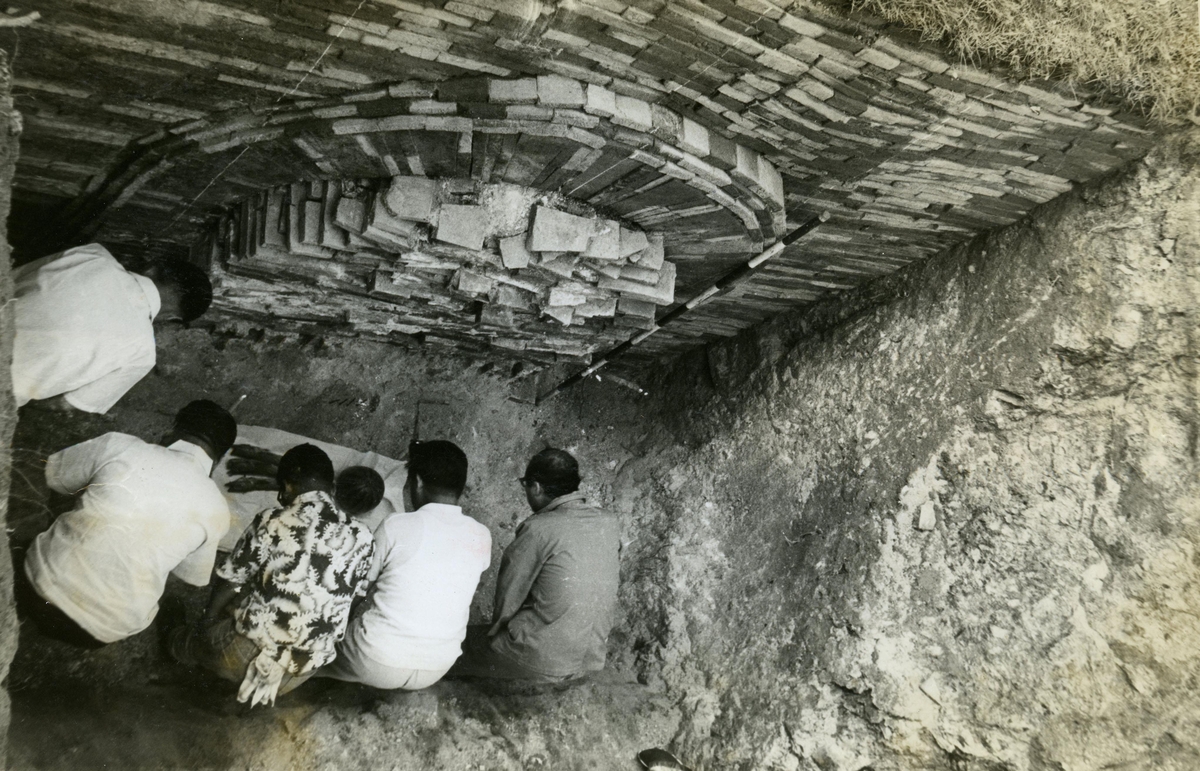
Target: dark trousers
(46, 616)
(479, 660)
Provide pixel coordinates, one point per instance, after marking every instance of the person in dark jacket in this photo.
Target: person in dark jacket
(556, 595)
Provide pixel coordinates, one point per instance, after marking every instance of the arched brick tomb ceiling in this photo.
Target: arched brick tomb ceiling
(719, 125)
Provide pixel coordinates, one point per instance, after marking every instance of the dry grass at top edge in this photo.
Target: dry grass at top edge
(1146, 52)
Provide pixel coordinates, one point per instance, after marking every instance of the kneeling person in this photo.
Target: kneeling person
(428, 563)
(96, 576)
(285, 591)
(556, 594)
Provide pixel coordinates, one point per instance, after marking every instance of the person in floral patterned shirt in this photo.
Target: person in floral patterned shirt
(283, 595)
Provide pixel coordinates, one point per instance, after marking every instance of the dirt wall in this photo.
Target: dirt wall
(10, 128)
(951, 520)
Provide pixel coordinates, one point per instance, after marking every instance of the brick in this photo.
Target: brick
(801, 26)
(332, 236)
(558, 91)
(746, 170)
(411, 198)
(652, 256)
(817, 106)
(384, 283)
(310, 222)
(878, 58)
(694, 138)
(917, 58)
(782, 63)
(639, 274)
(560, 295)
(610, 269)
(556, 231)
(474, 89)
(632, 241)
(411, 90)
(562, 314)
(512, 297)
(513, 252)
(597, 308)
(464, 226)
(470, 282)
(632, 113)
(529, 112)
(665, 124)
(563, 267)
(634, 307)
(722, 152)
(519, 91)
(381, 226)
(663, 293)
(497, 317)
(351, 215)
(606, 243)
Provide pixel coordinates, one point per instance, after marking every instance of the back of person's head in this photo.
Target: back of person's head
(207, 420)
(191, 284)
(440, 465)
(305, 467)
(556, 470)
(359, 490)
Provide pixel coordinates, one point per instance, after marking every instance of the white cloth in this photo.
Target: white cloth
(244, 506)
(83, 328)
(145, 511)
(429, 562)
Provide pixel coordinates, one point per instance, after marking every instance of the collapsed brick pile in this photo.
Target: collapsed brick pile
(454, 259)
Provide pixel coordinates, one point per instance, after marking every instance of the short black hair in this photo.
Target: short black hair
(305, 465)
(359, 490)
(191, 282)
(441, 465)
(209, 421)
(556, 470)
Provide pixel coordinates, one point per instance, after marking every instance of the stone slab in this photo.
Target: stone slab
(556, 231)
(464, 226)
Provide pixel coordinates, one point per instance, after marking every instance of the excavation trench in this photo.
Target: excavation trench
(948, 520)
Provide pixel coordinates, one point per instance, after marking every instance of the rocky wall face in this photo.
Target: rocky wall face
(10, 128)
(951, 520)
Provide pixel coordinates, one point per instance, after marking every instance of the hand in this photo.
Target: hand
(263, 677)
(252, 484)
(251, 467)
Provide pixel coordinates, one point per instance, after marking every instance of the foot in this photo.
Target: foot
(660, 760)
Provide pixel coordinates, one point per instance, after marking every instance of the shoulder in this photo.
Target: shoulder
(361, 531)
(266, 518)
(478, 528)
(115, 443)
(401, 525)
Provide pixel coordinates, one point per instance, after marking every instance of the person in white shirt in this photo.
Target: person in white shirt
(84, 326)
(426, 567)
(144, 511)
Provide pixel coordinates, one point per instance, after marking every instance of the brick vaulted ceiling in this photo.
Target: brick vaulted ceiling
(720, 124)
